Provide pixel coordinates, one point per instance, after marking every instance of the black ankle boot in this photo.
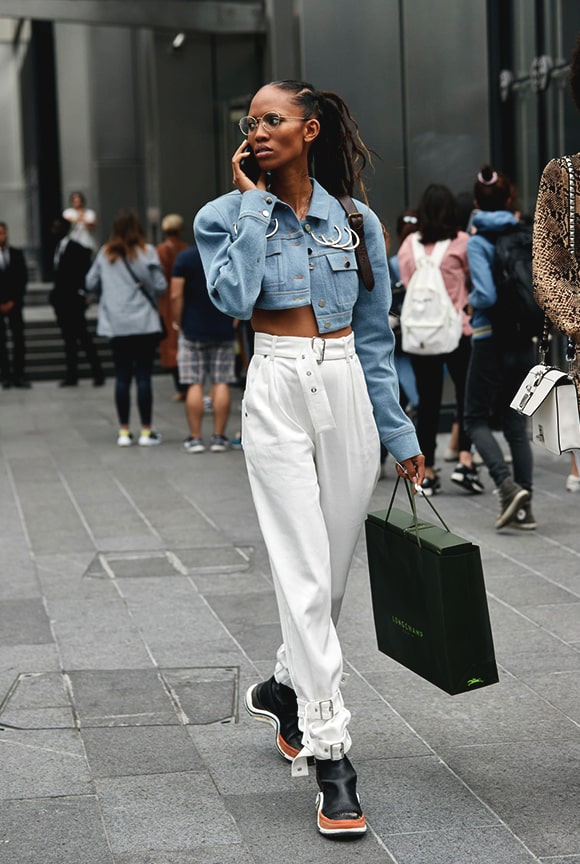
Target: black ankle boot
(276, 704)
(338, 808)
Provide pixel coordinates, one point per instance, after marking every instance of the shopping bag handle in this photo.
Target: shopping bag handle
(411, 497)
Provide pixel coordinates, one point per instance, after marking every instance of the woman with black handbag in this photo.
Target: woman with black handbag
(556, 267)
(126, 276)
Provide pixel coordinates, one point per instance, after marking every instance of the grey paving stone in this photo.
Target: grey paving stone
(391, 788)
(121, 697)
(249, 581)
(559, 618)
(524, 588)
(560, 688)
(234, 854)
(94, 628)
(218, 559)
(126, 751)
(38, 701)
(474, 846)
(140, 566)
(534, 785)
(42, 763)
(24, 622)
(242, 757)
(561, 658)
(204, 695)
(236, 609)
(164, 812)
(260, 816)
(507, 711)
(65, 830)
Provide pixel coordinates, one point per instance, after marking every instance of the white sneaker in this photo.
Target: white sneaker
(572, 483)
(149, 439)
(194, 445)
(124, 439)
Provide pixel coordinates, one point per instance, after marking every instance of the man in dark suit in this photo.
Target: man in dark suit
(13, 279)
(71, 263)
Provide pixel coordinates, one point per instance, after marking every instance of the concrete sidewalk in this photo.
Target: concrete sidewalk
(137, 606)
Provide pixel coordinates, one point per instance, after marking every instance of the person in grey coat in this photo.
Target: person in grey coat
(126, 276)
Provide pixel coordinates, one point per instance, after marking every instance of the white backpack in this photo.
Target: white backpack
(430, 323)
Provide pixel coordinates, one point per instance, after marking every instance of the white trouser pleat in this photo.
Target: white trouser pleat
(311, 491)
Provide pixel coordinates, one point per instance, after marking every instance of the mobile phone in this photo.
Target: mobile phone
(250, 166)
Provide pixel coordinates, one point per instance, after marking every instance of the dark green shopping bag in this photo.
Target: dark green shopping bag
(429, 600)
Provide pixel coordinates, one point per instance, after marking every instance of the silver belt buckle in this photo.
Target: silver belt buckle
(315, 349)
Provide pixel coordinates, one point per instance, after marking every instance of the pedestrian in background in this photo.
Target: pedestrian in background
(497, 367)
(126, 277)
(407, 223)
(168, 250)
(69, 301)
(13, 281)
(439, 222)
(205, 351)
(313, 400)
(82, 221)
(556, 270)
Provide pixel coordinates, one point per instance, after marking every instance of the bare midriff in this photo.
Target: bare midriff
(292, 322)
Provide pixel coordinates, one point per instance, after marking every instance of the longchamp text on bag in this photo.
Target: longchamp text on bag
(429, 600)
(549, 397)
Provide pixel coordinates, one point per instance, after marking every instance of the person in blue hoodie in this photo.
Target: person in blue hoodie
(496, 367)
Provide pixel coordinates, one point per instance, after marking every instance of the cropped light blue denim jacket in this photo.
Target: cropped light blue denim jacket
(256, 254)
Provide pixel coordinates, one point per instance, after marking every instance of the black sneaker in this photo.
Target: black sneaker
(524, 518)
(468, 479)
(512, 497)
(276, 704)
(431, 486)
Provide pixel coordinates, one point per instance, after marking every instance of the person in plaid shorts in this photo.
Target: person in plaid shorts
(205, 351)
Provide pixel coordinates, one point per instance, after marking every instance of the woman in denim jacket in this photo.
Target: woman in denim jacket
(279, 250)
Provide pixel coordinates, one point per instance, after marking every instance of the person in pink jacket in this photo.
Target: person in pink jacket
(438, 221)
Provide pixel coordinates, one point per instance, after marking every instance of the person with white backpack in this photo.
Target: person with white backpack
(435, 330)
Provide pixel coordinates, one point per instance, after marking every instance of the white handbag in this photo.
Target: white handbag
(549, 397)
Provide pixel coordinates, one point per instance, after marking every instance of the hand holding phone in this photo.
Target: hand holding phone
(246, 172)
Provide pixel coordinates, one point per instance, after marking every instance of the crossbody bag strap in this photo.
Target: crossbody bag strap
(544, 339)
(571, 345)
(140, 285)
(356, 222)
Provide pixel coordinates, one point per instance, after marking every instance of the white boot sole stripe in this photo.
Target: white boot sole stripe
(334, 831)
(264, 717)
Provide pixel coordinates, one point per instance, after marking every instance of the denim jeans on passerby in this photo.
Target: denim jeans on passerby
(429, 374)
(494, 375)
(133, 357)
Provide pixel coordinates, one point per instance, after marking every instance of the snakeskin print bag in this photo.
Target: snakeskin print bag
(548, 395)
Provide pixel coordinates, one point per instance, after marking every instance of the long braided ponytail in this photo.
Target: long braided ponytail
(338, 155)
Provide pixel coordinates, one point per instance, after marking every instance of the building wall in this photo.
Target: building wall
(12, 185)
(414, 73)
(143, 125)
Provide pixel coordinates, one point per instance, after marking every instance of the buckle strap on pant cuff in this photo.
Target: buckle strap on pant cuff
(325, 709)
(300, 763)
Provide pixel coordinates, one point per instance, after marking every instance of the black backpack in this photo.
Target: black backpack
(516, 313)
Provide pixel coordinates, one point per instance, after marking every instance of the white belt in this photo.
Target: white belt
(309, 354)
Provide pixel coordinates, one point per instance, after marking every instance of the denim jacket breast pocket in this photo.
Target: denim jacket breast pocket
(343, 277)
(273, 265)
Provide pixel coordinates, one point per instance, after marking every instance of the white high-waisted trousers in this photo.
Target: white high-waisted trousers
(312, 452)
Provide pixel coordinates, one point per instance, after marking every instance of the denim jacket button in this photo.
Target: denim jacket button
(327, 325)
(322, 302)
(265, 212)
(268, 200)
(307, 228)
